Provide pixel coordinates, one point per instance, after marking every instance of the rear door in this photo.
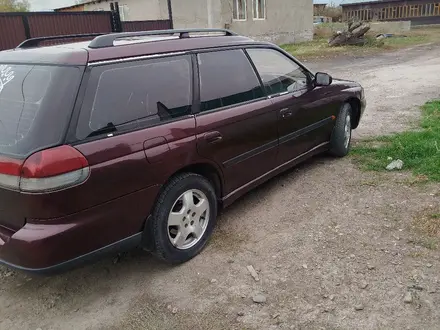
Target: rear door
(237, 123)
(305, 114)
(135, 125)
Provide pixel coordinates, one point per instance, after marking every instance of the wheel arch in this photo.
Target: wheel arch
(355, 104)
(205, 169)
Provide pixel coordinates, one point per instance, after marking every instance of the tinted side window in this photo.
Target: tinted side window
(227, 78)
(278, 73)
(137, 94)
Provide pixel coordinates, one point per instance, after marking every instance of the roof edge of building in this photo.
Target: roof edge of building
(367, 2)
(77, 5)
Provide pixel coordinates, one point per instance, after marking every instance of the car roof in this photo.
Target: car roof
(81, 53)
(58, 55)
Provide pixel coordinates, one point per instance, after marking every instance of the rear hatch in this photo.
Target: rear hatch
(36, 102)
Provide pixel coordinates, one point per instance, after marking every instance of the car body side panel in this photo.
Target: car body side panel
(120, 165)
(249, 141)
(313, 117)
(309, 124)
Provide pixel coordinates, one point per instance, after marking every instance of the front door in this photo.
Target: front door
(237, 123)
(304, 118)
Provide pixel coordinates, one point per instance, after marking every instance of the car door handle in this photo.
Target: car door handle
(285, 113)
(213, 137)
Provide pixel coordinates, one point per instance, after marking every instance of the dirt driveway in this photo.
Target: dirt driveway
(334, 247)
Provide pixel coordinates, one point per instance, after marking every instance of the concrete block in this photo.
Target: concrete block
(391, 27)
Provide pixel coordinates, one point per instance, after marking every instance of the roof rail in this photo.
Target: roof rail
(108, 39)
(34, 42)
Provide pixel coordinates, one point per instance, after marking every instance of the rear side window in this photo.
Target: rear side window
(136, 95)
(36, 103)
(227, 78)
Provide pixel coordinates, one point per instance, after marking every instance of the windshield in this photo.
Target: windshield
(35, 105)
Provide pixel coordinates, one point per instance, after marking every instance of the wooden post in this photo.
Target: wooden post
(116, 18)
(170, 14)
(27, 29)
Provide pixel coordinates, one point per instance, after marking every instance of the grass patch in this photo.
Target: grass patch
(419, 149)
(319, 46)
(406, 41)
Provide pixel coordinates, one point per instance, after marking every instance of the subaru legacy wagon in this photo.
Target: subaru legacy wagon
(139, 139)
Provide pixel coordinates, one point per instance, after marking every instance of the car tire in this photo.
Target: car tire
(179, 213)
(341, 136)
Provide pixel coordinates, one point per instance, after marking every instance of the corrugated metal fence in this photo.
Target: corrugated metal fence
(11, 31)
(17, 27)
(146, 25)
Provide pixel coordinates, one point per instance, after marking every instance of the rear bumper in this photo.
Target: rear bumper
(122, 245)
(58, 244)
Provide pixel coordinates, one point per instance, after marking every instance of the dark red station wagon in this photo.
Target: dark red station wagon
(137, 139)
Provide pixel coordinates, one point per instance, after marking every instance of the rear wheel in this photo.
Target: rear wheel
(184, 218)
(341, 136)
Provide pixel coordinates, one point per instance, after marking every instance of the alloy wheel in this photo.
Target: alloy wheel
(188, 219)
(347, 131)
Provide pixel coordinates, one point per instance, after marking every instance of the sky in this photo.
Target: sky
(49, 4)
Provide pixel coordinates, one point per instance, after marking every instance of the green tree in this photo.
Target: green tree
(14, 5)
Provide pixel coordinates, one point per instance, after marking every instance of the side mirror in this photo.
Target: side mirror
(323, 79)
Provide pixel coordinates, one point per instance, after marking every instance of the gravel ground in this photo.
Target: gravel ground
(333, 247)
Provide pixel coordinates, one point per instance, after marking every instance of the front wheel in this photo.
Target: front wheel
(341, 136)
(184, 218)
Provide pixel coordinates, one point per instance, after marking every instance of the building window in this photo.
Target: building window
(239, 10)
(259, 9)
(123, 12)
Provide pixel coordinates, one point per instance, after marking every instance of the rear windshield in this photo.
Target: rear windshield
(36, 102)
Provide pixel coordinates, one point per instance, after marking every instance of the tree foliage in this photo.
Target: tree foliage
(331, 10)
(14, 5)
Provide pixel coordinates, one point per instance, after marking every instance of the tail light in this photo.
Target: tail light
(45, 171)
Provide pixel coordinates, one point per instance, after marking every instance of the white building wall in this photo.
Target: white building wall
(135, 10)
(286, 21)
(197, 14)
